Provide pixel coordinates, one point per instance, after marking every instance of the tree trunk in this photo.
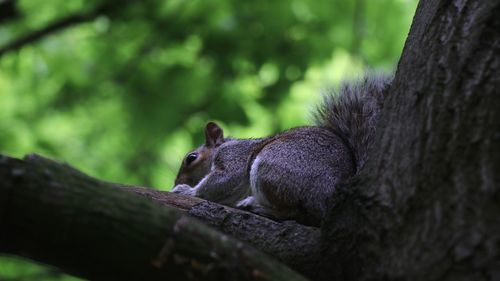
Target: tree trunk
(426, 206)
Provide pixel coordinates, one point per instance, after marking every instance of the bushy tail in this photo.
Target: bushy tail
(352, 112)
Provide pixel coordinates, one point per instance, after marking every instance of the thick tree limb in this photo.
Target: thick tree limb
(55, 214)
(293, 244)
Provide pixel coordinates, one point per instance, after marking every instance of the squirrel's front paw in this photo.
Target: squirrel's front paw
(247, 203)
(184, 189)
(251, 204)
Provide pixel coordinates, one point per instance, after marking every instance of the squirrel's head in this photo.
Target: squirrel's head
(196, 164)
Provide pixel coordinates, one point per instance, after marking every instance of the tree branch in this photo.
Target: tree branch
(294, 244)
(47, 30)
(53, 213)
(58, 25)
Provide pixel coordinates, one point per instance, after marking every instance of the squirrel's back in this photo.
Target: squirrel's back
(352, 112)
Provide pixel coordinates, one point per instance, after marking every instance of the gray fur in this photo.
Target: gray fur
(293, 174)
(353, 111)
(226, 182)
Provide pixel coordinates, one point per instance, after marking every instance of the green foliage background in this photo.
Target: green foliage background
(124, 95)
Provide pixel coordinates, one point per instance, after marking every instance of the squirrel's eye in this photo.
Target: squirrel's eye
(191, 157)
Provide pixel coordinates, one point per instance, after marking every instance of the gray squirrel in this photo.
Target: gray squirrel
(293, 174)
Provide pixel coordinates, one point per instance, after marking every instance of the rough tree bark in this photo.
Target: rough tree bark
(426, 207)
(53, 213)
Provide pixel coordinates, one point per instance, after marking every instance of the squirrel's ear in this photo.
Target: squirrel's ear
(213, 135)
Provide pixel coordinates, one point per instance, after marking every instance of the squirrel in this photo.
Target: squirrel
(291, 175)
